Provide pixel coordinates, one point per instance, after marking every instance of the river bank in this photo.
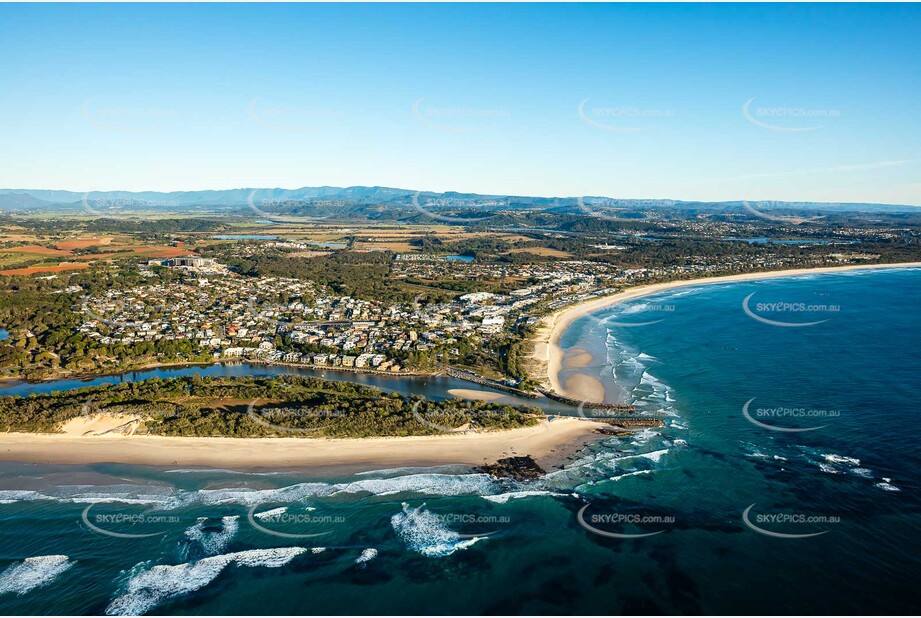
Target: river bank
(546, 359)
(86, 376)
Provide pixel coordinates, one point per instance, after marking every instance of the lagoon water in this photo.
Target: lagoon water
(722, 511)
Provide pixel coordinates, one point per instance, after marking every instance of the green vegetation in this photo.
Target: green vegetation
(43, 322)
(363, 275)
(136, 225)
(285, 406)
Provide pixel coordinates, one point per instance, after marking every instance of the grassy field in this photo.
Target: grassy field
(67, 251)
(547, 251)
(28, 253)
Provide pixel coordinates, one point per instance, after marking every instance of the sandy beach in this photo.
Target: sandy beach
(475, 394)
(577, 358)
(547, 357)
(548, 442)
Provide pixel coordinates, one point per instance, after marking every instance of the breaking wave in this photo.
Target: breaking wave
(367, 555)
(515, 495)
(149, 586)
(214, 541)
(426, 533)
(32, 573)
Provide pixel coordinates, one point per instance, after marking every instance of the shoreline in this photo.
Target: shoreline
(548, 442)
(546, 360)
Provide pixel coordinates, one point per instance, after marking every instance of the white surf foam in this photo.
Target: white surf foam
(642, 437)
(888, 486)
(147, 587)
(516, 495)
(367, 555)
(271, 513)
(222, 471)
(11, 496)
(32, 573)
(426, 533)
(841, 459)
(170, 498)
(214, 541)
(428, 484)
(654, 456)
(634, 473)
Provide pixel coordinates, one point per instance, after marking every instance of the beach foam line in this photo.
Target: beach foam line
(124, 494)
(24, 577)
(425, 484)
(11, 496)
(149, 586)
(169, 498)
(223, 471)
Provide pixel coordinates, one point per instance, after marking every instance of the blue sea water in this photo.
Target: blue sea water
(724, 510)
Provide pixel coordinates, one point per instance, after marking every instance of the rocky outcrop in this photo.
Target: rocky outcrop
(518, 468)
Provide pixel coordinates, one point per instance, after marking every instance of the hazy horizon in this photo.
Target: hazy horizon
(687, 102)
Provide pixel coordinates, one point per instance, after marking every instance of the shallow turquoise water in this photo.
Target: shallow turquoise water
(448, 541)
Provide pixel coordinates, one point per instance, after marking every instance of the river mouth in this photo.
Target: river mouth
(437, 388)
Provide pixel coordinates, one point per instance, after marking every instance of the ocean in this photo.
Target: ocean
(785, 481)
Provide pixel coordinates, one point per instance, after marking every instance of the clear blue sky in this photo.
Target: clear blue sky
(633, 101)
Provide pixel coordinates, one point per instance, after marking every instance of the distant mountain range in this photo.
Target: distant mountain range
(326, 201)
